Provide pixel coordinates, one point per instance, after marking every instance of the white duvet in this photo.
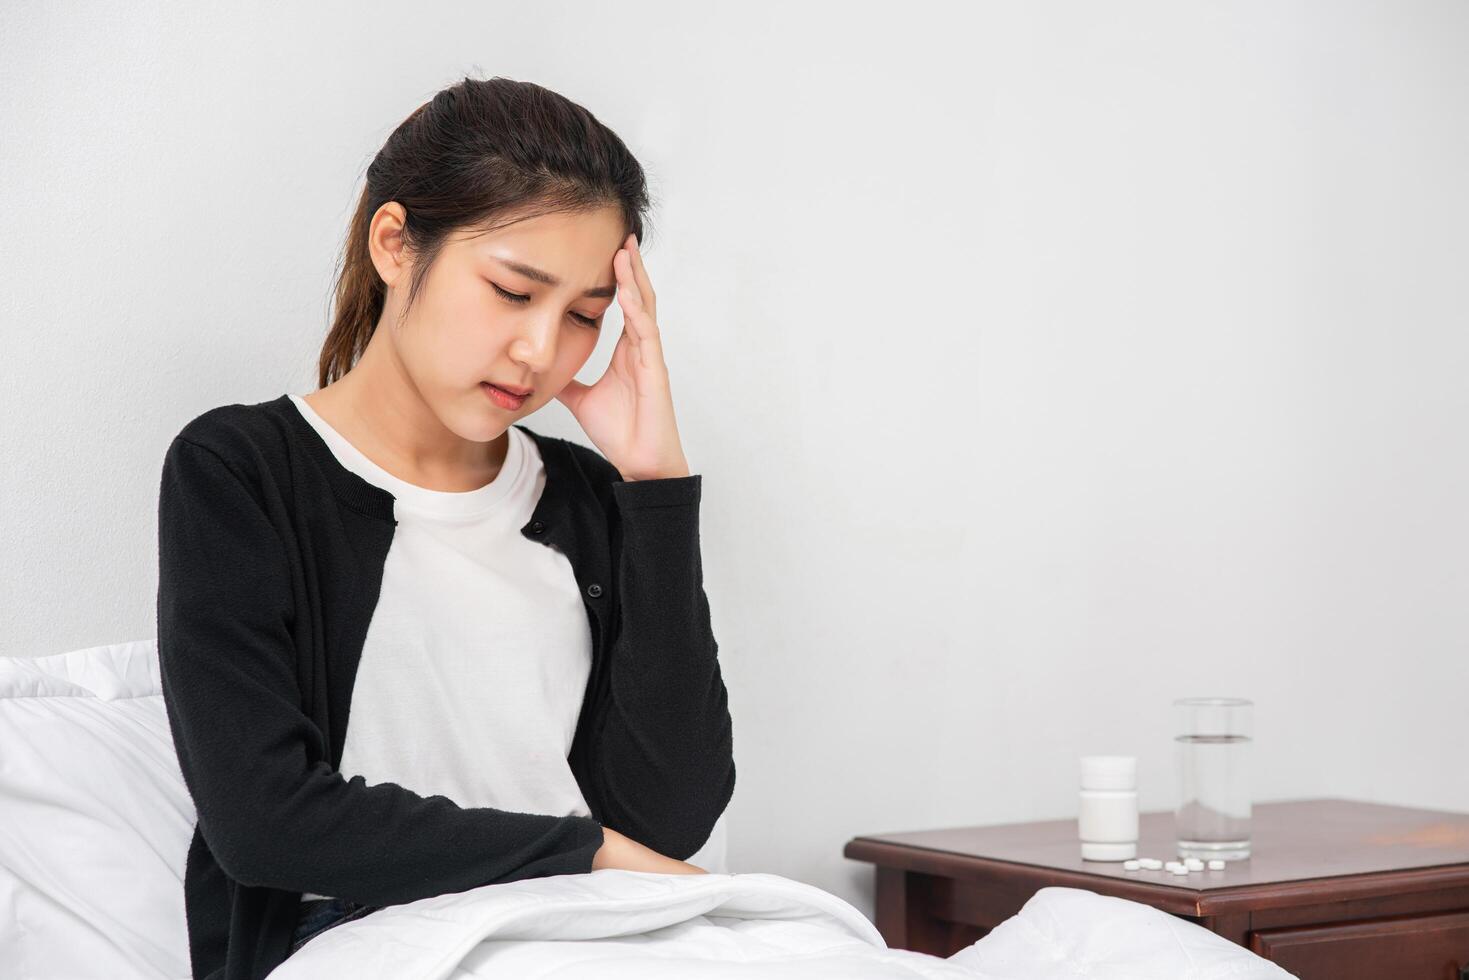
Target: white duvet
(95, 824)
(622, 925)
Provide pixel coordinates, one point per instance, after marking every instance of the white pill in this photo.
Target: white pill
(1193, 864)
(1180, 870)
(1152, 864)
(1172, 865)
(1216, 865)
(1131, 865)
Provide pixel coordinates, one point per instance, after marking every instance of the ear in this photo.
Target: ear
(385, 242)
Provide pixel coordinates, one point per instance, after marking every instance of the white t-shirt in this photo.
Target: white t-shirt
(479, 649)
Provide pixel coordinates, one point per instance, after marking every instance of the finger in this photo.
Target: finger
(634, 316)
(626, 345)
(638, 326)
(645, 284)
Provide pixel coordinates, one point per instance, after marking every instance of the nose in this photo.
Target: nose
(535, 343)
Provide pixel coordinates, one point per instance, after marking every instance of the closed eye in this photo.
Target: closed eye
(589, 321)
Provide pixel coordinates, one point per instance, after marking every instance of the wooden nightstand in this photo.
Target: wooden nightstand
(1333, 889)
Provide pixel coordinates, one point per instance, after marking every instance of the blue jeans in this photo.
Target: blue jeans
(320, 914)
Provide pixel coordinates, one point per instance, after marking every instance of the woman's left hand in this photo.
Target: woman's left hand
(628, 413)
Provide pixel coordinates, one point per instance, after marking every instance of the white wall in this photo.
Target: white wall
(1044, 361)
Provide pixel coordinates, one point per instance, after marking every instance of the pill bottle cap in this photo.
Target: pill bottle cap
(1109, 772)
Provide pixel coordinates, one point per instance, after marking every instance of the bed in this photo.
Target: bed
(95, 822)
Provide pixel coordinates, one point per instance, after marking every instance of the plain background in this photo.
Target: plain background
(1044, 361)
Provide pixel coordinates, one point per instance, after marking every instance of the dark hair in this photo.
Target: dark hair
(482, 153)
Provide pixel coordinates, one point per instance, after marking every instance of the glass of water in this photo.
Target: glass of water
(1212, 746)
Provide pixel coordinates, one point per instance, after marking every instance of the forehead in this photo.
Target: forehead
(595, 232)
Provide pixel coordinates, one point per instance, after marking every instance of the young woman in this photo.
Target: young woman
(408, 644)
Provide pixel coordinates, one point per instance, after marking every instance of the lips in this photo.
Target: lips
(501, 397)
(511, 389)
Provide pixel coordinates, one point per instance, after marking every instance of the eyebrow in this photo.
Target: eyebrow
(531, 272)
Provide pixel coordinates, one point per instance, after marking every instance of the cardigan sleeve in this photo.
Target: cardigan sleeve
(665, 746)
(270, 818)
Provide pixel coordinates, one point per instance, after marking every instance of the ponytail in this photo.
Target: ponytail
(359, 301)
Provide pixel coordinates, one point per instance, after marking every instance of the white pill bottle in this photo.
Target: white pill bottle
(1108, 817)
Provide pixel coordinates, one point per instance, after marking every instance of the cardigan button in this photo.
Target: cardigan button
(537, 527)
(594, 590)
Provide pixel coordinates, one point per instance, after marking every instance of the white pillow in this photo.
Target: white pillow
(95, 820)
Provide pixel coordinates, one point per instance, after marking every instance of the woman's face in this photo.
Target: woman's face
(470, 326)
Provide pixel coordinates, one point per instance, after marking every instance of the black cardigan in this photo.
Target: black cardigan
(270, 562)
